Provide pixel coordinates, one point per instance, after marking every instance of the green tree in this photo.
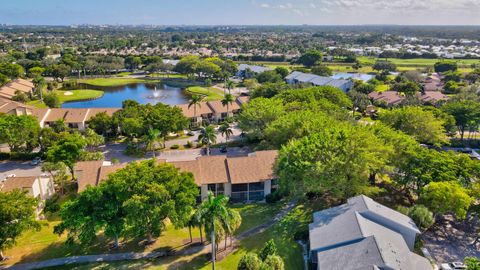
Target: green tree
(17, 215)
(59, 72)
(36, 71)
(269, 76)
(227, 100)
(207, 137)
(360, 101)
(365, 88)
(67, 150)
(322, 70)
(282, 71)
(419, 123)
(214, 211)
(102, 124)
(382, 65)
(269, 249)
(336, 160)
(420, 215)
(409, 88)
(274, 262)
(195, 101)
(52, 100)
(444, 66)
(226, 131)
(249, 261)
(445, 197)
(472, 263)
(150, 139)
(21, 133)
(465, 112)
(310, 58)
(58, 173)
(451, 87)
(257, 114)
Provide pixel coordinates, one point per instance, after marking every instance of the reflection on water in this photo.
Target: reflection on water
(140, 92)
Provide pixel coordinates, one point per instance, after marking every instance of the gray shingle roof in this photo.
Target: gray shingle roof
(255, 69)
(363, 234)
(300, 77)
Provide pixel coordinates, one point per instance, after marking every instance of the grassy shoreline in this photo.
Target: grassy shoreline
(116, 81)
(210, 93)
(77, 95)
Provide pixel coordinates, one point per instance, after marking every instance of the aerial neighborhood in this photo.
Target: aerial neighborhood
(249, 147)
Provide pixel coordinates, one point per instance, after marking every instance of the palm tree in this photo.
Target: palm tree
(230, 85)
(195, 101)
(213, 211)
(226, 131)
(233, 223)
(152, 137)
(207, 136)
(227, 100)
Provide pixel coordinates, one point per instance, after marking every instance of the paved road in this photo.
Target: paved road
(19, 168)
(146, 255)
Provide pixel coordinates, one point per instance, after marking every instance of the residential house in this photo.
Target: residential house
(40, 187)
(432, 97)
(8, 90)
(244, 179)
(73, 117)
(249, 71)
(433, 82)
(220, 112)
(197, 115)
(353, 76)
(298, 77)
(363, 234)
(15, 108)
(388, 98)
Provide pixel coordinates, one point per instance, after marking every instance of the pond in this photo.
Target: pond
(141, 92)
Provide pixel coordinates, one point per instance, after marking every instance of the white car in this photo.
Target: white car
(453, 266)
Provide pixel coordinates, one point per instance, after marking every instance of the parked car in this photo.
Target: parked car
(453, 266)
(35, 161)
(11, 175)
(223, 149)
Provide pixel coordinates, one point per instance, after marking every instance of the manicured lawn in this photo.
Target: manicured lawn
(114, 81)
(44, 244)
(210, 93)
(282, 233)
(83, 94)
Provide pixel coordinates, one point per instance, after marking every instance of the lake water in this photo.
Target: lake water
(140, 92)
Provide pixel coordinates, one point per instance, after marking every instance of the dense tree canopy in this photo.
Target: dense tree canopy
(21, 133)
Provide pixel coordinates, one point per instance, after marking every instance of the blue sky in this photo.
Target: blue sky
(234, 12)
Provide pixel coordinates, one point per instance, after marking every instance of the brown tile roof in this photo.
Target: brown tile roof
(218, 107)
(18, 86)
(432, 96)
(39, 113)
(87, 173)
(12, 183)
(76, 115)
(201, 110)
(106, 170)
(389, 97)
(7, 92)
(55, 114)
(206, 170)
(25, 82)
(257, 167)
(94, 111)
(7, 105)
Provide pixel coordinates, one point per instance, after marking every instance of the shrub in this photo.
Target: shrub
(273, 197)
(274, 262)
(115, 160)
(52, 205)
(189, 144)
(249, 261)
(420, 215)
(301, 234)
(70, 85)
(175, 146)
(269, 249)
(52, 100)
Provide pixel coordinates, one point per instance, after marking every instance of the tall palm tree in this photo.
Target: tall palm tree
(230, 85)
(227, 100)
(208, 137)
(233, 223)
(152, 137)
(195, 101)
(226, 131)
(213, 211)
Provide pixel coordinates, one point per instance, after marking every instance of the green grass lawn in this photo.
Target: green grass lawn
(44, 244)
(210, 93)
(77, 95)
(114, 81)
(282, 233)
(382, 87)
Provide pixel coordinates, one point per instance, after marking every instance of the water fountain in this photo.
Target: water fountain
(156, 94)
